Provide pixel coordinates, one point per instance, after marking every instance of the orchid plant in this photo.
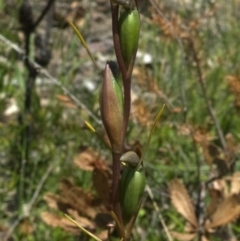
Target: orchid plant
(115, 101)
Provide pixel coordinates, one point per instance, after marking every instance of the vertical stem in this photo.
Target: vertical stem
(116, 41)
(115, 185)
(126, 74)
(25, 119)
(127, 103)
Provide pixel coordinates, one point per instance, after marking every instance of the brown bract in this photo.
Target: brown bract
(111, 111)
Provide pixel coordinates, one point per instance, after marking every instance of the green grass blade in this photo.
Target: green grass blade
(83, 229)
(152, 130)
(83, 42)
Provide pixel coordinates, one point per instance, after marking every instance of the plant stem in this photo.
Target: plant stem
(126, 74)
(115, 185)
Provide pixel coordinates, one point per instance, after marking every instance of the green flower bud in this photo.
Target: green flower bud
(132, 185)
(124, 3)
(130, 158)
(111, 106)
(129, 28)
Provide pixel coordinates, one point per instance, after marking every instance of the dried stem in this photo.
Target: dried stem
(198, 166)
(43, 13)
(24, 118)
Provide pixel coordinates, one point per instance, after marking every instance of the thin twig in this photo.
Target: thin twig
(199, 206)
(27, 208)
(43, 13)
(157, 209)
(51, 78)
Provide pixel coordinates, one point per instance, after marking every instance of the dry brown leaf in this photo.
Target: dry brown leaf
(74, 14)
(221, 186)
(50, 218)
(177, 110)
(204, 238)
(63, 98)
(216, 198)
(235, 183)
(77, 14)
(66, 183)
(210, 151)
(181, 201)
(234, 86)
(189, 228)
(26, 227)
(66, 101)
(202, 136)
(184, 130)
(101, 182)
(53, 200)
(103, 235)
(78, 200)
(213, 150)
(232, 146)
(67, 187)
(56, 221)
(172, 27)
(207, 157)
(222, 165)
(183, 236)
(70, 200)
(84, 222)
(86, 160)
(85, 208)
(226, 212)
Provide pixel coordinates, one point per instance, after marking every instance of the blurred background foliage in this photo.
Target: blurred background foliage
(188, 58)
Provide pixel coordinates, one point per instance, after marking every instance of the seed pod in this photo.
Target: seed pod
(132, 185)
(111, 108)
(129, 27)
